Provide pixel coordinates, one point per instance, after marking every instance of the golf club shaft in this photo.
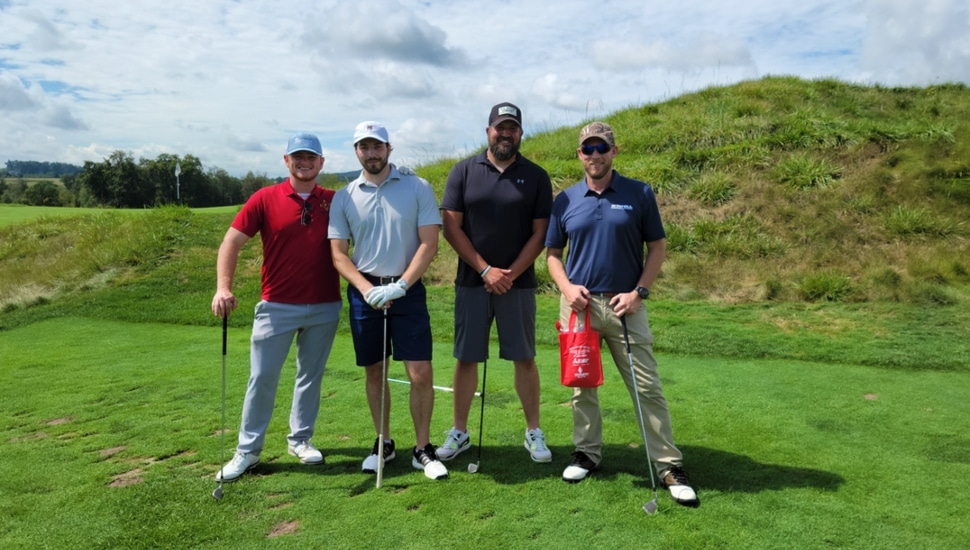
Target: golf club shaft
(481, 415)
(439, 388)
(380, 436)
(636, 398)
(222, 429)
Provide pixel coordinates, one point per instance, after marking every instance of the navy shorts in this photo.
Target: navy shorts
(514, 314)
(408, 327)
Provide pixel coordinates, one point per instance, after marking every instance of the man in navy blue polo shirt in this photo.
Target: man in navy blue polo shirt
(606, 219)
(495, 212)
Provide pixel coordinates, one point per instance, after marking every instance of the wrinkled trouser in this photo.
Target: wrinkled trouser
(587, 417)
(274, 327)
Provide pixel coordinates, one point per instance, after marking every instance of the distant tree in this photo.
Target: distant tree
(35, 169)
(252, 183)
(92, 184)
(117, 182)
(44, 193)
(229, 188)
(14, 193)
(72, 186)
(160, 175)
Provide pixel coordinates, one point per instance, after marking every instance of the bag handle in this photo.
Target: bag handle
(572, 320)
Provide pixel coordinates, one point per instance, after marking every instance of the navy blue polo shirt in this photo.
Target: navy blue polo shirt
(606, 233)
(498, 209)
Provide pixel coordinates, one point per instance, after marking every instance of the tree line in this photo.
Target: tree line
(120, 181)
(39, 169)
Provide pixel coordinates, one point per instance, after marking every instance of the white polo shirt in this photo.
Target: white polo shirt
(382, 221)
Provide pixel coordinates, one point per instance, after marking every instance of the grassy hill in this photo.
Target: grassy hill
(777, 190)
(785, 189)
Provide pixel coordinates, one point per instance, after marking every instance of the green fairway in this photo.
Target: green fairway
(111, 439)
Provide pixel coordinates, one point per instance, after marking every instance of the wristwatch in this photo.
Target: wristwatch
(643, 292)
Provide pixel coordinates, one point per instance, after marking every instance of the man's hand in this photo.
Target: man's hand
(379, 296)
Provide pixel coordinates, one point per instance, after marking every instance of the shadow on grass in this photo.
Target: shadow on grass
(709, 469)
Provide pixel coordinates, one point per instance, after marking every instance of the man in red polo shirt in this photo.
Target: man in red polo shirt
(300, 299)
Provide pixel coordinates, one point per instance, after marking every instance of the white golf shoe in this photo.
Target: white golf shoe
(675, 480)
(426, 459)
(239, 465)
(306, 452)
(370, 463)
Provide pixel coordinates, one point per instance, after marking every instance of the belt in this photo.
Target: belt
(604, 294)
(381, 280)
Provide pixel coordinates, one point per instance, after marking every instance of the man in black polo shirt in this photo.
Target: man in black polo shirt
(495, 212)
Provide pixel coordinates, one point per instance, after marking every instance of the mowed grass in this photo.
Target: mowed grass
(111, 438)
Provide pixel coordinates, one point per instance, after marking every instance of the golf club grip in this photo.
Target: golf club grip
(225, 326)
(626, 335)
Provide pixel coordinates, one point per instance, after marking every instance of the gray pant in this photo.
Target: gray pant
(274, 327)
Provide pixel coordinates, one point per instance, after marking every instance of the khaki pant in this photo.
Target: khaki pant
(587, 418)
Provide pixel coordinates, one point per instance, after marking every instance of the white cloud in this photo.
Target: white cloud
(918, 41)
(229, 81)
(559, 93)
(696, 52)
(13, 94)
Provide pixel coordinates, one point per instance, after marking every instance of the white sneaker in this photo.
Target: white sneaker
(426, 459)
(370, 463)
(239, 465)
(306, 452)
(535, 442)
(456, 442)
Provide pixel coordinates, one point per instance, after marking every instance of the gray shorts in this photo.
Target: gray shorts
(515, 318)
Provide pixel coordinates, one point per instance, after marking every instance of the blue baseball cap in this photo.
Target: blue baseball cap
(304, 141)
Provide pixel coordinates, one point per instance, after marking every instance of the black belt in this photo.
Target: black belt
(381, 280)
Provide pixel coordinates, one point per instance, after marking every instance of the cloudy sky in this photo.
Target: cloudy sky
(229, 81)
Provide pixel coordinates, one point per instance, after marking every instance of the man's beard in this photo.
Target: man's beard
(371, 168)
(504, 150)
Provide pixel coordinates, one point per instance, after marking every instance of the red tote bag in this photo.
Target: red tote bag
(579, 355)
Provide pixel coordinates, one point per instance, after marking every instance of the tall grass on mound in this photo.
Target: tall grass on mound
(44, 257)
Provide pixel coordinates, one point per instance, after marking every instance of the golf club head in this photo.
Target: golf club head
(217, 494)
(651, 507)
(473, 468)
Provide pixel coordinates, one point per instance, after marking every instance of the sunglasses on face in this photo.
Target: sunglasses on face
(600, 148)
(305, 216)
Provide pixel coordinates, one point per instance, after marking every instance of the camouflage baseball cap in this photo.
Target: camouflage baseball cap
(600, 130)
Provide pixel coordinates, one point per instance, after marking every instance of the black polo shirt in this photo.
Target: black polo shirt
(498, 209)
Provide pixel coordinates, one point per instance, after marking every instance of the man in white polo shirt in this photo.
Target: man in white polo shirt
(391, 215)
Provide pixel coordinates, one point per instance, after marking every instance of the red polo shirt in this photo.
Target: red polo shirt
(297, 262)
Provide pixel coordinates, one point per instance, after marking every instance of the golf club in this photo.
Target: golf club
(473, 467)
(217, 494)
(651, 506)
(380, 436)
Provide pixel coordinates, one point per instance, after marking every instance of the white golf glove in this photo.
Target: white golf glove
(378, 296)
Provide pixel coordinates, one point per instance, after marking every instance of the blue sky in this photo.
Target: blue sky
(229, 81)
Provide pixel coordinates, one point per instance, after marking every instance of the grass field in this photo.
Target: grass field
(111, 439)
